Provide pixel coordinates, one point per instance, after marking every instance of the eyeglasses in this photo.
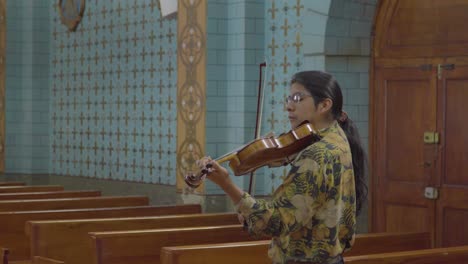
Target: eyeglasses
(296, 98)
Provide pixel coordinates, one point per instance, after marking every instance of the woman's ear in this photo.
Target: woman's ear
(325, 105)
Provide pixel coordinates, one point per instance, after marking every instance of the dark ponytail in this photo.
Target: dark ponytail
(321, 86)
(359, 161)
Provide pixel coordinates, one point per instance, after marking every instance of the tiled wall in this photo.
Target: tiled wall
(348, 53)
(284, 51)
(113, 93)
(315, 17)
(27, 87)
(242, 34)
(235, 50)
(298, 35)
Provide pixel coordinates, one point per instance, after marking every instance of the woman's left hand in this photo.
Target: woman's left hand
(220, 176)
(215, 172)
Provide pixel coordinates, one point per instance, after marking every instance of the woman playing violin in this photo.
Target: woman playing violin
(312, 215)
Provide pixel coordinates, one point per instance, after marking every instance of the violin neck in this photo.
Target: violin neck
(226, 157)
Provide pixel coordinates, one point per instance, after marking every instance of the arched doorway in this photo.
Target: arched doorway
(419, 147)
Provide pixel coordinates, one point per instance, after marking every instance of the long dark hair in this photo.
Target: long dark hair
(321, 86)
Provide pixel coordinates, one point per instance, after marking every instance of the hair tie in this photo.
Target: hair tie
(343, 117)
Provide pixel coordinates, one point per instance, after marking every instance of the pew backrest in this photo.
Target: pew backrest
(68, 240)
(48, 195)
(12, 224)
(256, 251)
(144, 246)
(447, 255)
(225, 253)
(72, 203)
(42, 260)
(36, 188)
(374, 243)
(12, 184)
(5, 253)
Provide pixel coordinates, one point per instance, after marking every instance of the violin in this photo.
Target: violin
(269, 151)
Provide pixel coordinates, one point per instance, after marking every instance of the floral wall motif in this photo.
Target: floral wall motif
(284, 56)
(113, 93)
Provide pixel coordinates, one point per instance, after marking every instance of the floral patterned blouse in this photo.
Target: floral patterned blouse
(312, 214)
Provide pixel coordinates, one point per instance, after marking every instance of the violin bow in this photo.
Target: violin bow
(258, 121)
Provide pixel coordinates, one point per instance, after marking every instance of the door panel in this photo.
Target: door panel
(456, 132)
(404, 110)
(411, 222)
(452, 229)
(403, 116)
(452, 206)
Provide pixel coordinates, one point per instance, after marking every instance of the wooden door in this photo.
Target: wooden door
(405, 108)
(411, 95)
(452, 205)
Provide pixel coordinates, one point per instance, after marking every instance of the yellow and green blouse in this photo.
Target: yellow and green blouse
(312, 214)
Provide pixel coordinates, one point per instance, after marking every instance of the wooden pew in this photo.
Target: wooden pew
(48, 195)
(144, 246)
(37, 260)
(68, 240)
(12, 183)
(72, 203)
(256, 251)
(37, 188)
(12, 224)
(458, 255)
(42, 260)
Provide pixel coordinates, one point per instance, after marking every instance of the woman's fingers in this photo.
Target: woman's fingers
(241, 218)
(203, 162)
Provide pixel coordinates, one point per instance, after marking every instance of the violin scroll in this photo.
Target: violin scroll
(195, 180)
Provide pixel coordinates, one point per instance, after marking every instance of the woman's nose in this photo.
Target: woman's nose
(289, 107)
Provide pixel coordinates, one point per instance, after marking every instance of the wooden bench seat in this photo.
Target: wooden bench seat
(449, 255)
(12, 183)
(37, 188)
(256, 251)
(68, 240)
(144, 246)
(72, 203)
(48, 195)
(12, 224)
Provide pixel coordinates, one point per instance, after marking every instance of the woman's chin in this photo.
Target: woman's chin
(293, 123)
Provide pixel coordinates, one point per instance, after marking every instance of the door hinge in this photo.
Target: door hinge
(440, 67)
(431, 193)
(431, 137)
